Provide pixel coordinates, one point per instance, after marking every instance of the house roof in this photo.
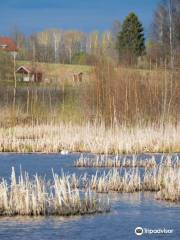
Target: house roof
(8, 44)
(23, 69)
(27, 69)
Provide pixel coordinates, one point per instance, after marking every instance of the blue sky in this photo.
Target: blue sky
(85, 15)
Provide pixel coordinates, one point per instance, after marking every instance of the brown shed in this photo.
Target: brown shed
(27, 74)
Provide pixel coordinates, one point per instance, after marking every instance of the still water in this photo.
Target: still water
(128, 211)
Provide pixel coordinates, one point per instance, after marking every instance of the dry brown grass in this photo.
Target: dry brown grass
(88, 137)
(38, 197)
(170, 189)
(103, 161)
(163, 179)
(114, 181)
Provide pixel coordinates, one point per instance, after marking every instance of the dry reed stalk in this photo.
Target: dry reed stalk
(164, 179)
(115, 181)
(90, 138)
(103, 161)
(170, 191)
(38, 197)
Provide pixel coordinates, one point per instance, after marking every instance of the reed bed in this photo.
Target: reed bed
(163, 179)
(114, 181)
(170, 190)
(88, 137)
(39, 197)
(103, 161)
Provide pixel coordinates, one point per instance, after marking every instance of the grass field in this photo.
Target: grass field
(53, 73)
(58, 72)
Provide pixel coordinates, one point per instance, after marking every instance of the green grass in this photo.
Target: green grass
(51, 71)
(55, 68)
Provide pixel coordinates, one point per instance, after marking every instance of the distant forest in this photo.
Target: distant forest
(75, 47)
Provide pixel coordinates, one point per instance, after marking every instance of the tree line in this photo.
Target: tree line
(123, 43)
(59, 46)
(164, 41)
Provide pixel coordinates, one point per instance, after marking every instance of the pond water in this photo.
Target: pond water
(128, 211)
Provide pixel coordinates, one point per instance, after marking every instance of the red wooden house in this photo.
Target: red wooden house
(7, 44)
(29, 74)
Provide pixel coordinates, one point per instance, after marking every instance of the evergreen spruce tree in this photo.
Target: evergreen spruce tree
(131, 41)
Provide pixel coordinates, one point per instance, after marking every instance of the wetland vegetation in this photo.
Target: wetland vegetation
(102, 110)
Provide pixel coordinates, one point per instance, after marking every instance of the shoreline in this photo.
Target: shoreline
(93, 153)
